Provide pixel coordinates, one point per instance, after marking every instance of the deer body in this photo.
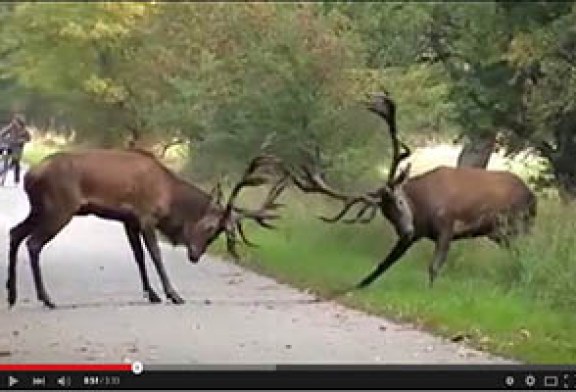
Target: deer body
(142, 188)
(455, 203)
(469, 200)
(129, 186)
(444, 204)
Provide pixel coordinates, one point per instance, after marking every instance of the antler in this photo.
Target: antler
(248, 178)
(262, 214)
(311, 182)
(381, 104)
(359, 215)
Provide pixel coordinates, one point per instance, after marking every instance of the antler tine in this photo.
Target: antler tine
(347, 206)
(384, 106)
(398, 157)
(311, 182)
(315, 184)
(370, 216)
(263, 214)
(397, 154)
(231, 242)
(248, 179)
(245, 239)
(275, 192)
(236, 229)
(359, 215)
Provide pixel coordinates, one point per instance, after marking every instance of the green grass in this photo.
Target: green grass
(520, 306)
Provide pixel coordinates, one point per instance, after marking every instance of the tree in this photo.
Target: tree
(511, 75)
(75, 55)
(544, 61)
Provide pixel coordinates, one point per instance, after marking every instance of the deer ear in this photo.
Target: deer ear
(403, 176)
(216, 194)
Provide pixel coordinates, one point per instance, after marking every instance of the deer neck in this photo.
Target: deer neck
(187, 204)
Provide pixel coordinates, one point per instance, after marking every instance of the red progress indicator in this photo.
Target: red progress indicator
(66, 367)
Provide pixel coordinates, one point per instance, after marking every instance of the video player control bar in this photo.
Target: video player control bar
(206, 376)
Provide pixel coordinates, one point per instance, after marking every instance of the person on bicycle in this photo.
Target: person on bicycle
(13, 137)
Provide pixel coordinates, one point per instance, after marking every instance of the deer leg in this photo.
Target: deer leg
(17, 234)
(133, 234)
(37, 240)
(151, 243)
(440, 253)
(506, 228)
(16, 165)
(399, 249)
(500, 239)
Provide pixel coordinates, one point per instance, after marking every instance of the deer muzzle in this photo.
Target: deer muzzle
(194, 254)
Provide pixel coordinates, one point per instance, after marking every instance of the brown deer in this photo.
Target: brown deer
(132, 187)
(443, 204)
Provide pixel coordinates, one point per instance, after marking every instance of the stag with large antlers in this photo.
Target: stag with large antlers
(132, 187)
(443, 204)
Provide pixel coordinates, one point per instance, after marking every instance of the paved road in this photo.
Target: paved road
(231, 315)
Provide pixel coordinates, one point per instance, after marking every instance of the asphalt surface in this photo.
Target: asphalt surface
(231, 316)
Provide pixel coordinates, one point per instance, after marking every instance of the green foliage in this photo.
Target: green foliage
(264, 74)
(394, 34)
(73, 56)
(231, 77)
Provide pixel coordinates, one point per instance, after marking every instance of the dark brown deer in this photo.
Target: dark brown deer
(132, 187)
(443, 204)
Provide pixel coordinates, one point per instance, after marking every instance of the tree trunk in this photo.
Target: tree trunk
(134, 137)
(564, 171)
(561, 155)
(477, 151)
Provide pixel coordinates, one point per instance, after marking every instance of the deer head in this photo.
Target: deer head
(227, 217)
(390, 198)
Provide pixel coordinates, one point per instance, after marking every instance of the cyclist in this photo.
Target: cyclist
(13, 137)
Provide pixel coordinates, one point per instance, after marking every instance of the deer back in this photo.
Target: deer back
(126, 180)
(465, 195)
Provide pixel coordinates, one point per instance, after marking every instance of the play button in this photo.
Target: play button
(12, 381)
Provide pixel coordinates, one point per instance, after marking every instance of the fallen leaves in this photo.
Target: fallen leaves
(460, 337)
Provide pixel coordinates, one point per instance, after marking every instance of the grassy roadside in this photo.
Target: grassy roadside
(516, 306)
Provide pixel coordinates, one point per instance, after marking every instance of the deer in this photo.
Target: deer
(443, 205)
(134, 188)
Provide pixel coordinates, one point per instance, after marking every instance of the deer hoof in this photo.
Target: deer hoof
(49, 304)
(152, 297)
(11, 299)
(175, 298)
